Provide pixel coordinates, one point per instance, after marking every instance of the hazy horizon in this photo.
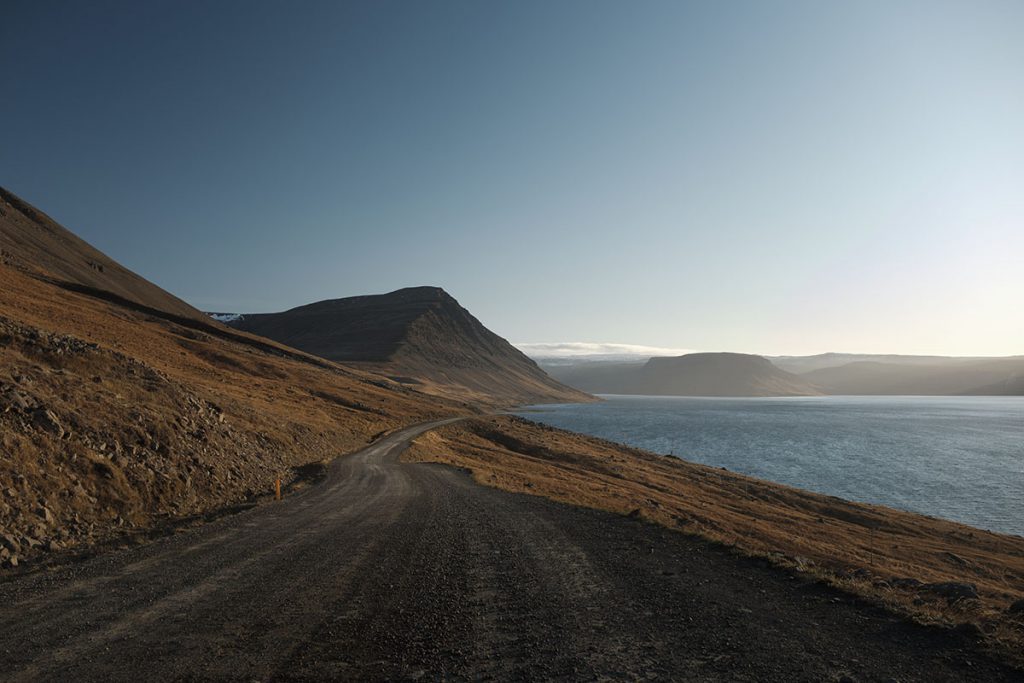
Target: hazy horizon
(784, 179)
(610, 351)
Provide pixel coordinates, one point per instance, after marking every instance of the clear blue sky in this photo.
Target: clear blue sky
(774, 177)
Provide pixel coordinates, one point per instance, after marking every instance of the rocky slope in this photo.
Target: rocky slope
(123, 410)
(418, 336)
(695, 374)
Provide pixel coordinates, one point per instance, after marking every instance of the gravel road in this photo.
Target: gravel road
(392, 571)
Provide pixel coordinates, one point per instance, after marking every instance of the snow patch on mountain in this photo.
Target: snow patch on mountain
(226, 317)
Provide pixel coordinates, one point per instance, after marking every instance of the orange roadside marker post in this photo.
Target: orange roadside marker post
(277, 488)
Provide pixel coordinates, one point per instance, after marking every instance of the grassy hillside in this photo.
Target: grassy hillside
(116, 417)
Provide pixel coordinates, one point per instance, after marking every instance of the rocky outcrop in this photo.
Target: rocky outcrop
(82, 454)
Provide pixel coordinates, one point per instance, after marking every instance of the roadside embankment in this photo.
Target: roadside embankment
(933, 570)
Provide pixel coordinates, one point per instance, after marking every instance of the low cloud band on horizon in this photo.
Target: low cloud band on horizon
(595, 349)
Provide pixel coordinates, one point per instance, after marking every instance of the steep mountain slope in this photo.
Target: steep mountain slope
(419, 336)
(694, 374)
(33, 242)
(1000, 376)
(117, 415)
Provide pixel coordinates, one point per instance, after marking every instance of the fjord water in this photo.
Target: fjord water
(961, 458)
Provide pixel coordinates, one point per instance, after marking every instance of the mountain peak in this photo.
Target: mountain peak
(421, 290)
(419, 336)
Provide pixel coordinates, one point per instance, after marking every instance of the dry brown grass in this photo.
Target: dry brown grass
(865, 549)
(159, 418)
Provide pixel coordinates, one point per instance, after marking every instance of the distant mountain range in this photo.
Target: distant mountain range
(732, 374)
(419, 336)
(937, 377)
(695, 374)
(802, 364)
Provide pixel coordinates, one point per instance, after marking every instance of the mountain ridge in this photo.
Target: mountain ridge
(693, 374)
(35, 243)
(990, 377)
(420, 336)
(123, 408)
(825, 374)
(803, 364)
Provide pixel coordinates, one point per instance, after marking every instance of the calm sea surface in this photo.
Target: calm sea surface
(952, 457)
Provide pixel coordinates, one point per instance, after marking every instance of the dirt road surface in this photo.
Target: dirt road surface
(390, 571)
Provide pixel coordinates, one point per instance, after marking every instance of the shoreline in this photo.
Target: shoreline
(914, 460)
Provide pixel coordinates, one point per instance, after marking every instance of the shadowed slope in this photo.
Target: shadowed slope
(420, 336)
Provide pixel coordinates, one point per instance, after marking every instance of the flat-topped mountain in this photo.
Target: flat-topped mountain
(419, 336)
(721, 374)
(34, 243)
(694, 374)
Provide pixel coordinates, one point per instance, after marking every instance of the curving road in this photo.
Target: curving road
(392, 571)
